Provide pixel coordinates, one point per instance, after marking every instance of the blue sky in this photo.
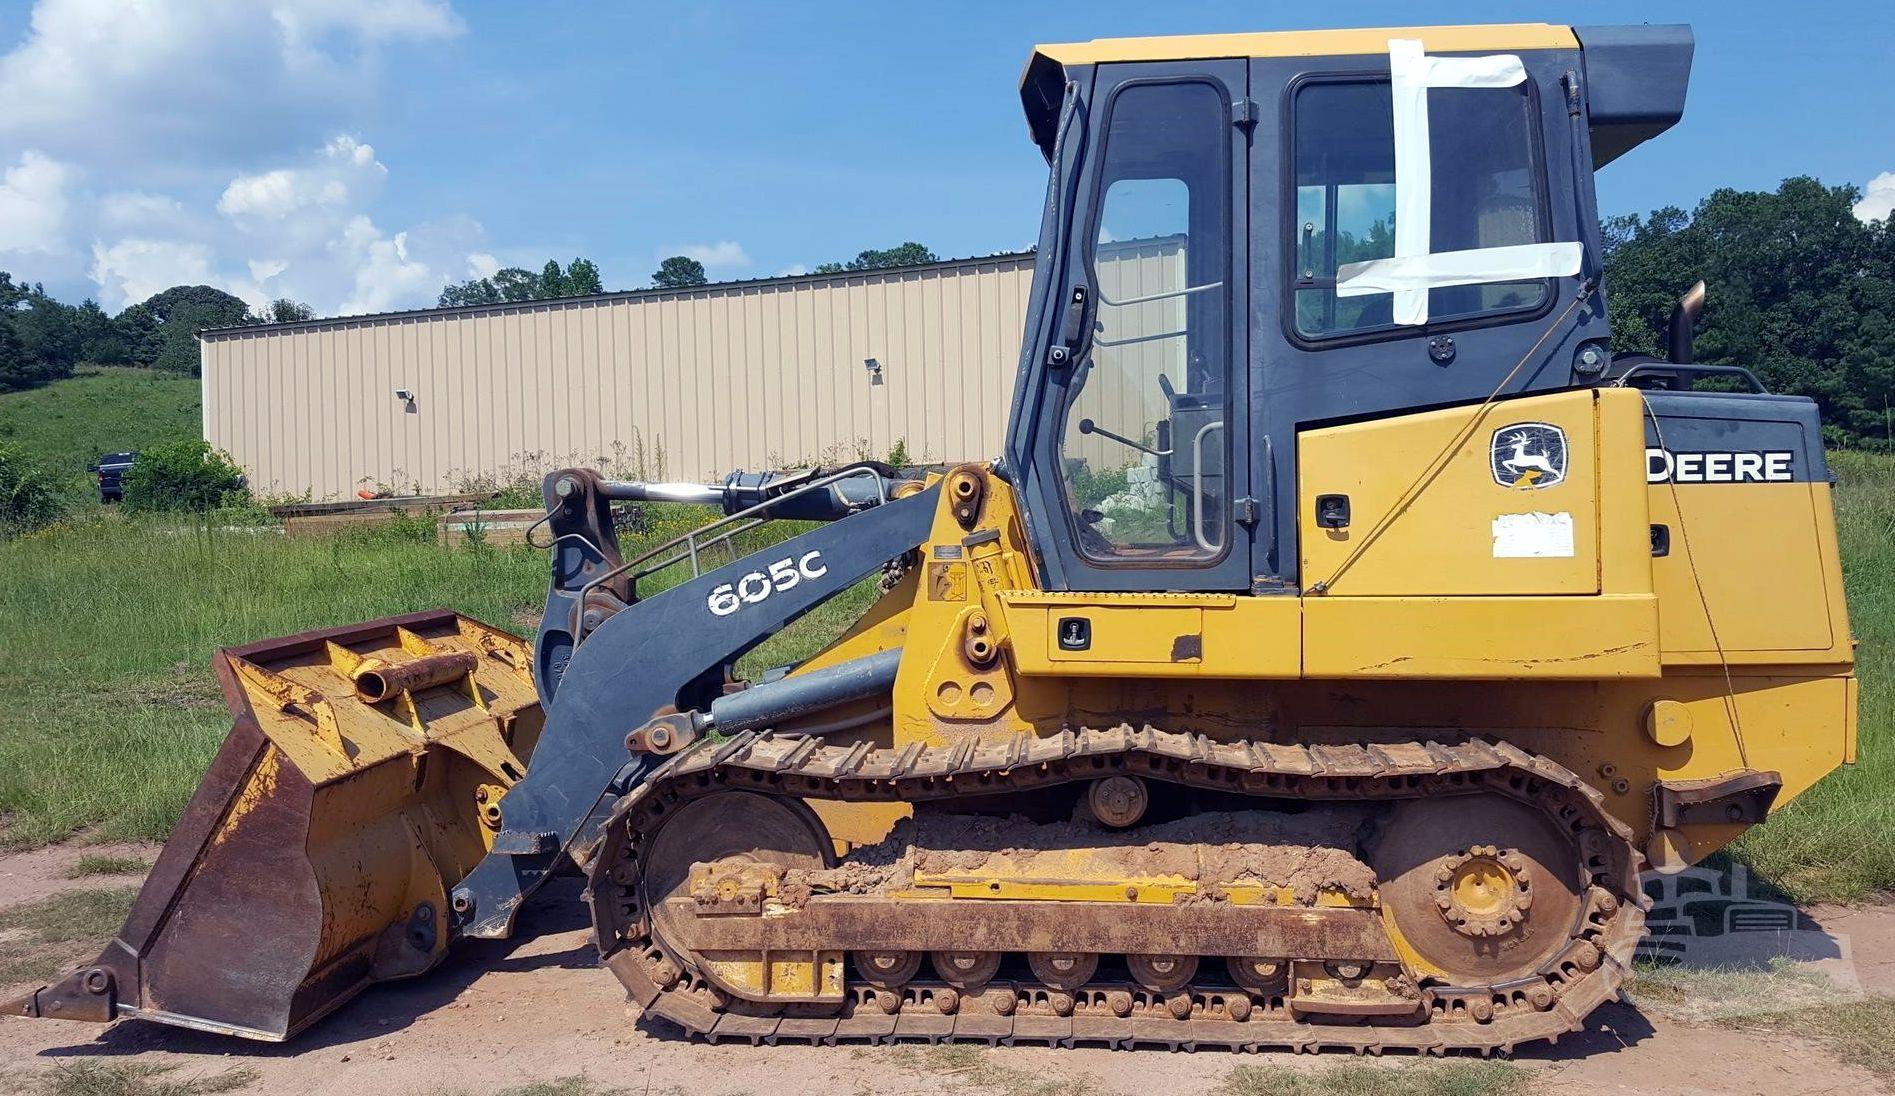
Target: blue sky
(355, 154)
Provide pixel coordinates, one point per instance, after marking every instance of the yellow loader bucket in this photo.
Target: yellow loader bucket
(360, 782)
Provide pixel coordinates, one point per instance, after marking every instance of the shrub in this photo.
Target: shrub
(27, 499)
(183, 475)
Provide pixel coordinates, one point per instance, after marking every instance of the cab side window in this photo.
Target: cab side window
(1486, 192)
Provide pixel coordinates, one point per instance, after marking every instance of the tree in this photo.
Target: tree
(578, 279)
(582, 278)
(282, 310)
(908, 254)
(474, 291)
(162, 329)
(516, 284)
(17, 371)
(102, 340)
(1800, 291)
(679, 272)
(40, 338)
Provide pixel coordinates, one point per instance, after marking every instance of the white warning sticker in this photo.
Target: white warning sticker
(1533, 536)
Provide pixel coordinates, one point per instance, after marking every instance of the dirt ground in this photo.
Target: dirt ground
(503, 1014)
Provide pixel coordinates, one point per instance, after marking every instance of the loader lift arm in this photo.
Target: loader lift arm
(657, 653)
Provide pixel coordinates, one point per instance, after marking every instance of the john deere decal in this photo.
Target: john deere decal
(1529, 455)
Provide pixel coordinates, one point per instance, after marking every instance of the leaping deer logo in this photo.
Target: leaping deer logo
(1529, 455)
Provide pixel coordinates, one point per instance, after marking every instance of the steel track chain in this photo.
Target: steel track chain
(1586, 973)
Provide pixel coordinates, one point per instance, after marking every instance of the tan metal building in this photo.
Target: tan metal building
(692, 383)
(680, 384)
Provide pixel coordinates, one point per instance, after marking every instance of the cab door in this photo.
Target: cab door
(1137, 469)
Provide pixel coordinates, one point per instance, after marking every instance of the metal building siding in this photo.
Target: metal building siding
(739, 376)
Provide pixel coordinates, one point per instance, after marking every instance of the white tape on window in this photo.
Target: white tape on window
(1411, 73)
(1419, 273)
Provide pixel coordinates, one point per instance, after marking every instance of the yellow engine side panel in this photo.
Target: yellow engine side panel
(1545, 576)
(1460, 532)
(1762, 558)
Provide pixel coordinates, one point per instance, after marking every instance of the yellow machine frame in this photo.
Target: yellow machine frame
(1597, 660)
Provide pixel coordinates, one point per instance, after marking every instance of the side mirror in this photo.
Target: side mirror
(1683, 318)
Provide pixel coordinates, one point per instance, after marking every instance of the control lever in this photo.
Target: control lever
(1087, 426)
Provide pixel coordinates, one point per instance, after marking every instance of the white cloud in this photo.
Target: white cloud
(301, 230)
(345, 173)
(722, 255)
(307, 20)
(482, 265)
(1878, 198)
(792, 270)
(215, 135)
(33, 203)
(138, 209)
(131, 270)
(386, 276)
(106, 81)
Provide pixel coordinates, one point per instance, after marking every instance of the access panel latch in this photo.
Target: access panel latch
(1332, 511)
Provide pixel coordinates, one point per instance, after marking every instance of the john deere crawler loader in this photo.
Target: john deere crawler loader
(1341, 633)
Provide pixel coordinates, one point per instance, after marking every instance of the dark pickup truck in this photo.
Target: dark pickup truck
(111, 472)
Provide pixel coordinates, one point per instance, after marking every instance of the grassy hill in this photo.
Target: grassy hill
(66, 425)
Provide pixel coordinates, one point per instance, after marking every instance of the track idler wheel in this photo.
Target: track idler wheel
(726, 829)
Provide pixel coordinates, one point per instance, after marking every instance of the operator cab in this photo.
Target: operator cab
(1249, 234)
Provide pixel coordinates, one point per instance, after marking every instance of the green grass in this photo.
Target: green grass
(110, 623)
(1832, 843)
(1700, 994)
(959, 1066)
(1784, 999)
(68, 424)
(97, 1079)
(1859, 1033)
(580, 1085)
(107, 865)
(38, 939)
(1461, 1077)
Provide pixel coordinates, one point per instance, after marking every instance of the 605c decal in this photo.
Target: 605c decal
(754, 587)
